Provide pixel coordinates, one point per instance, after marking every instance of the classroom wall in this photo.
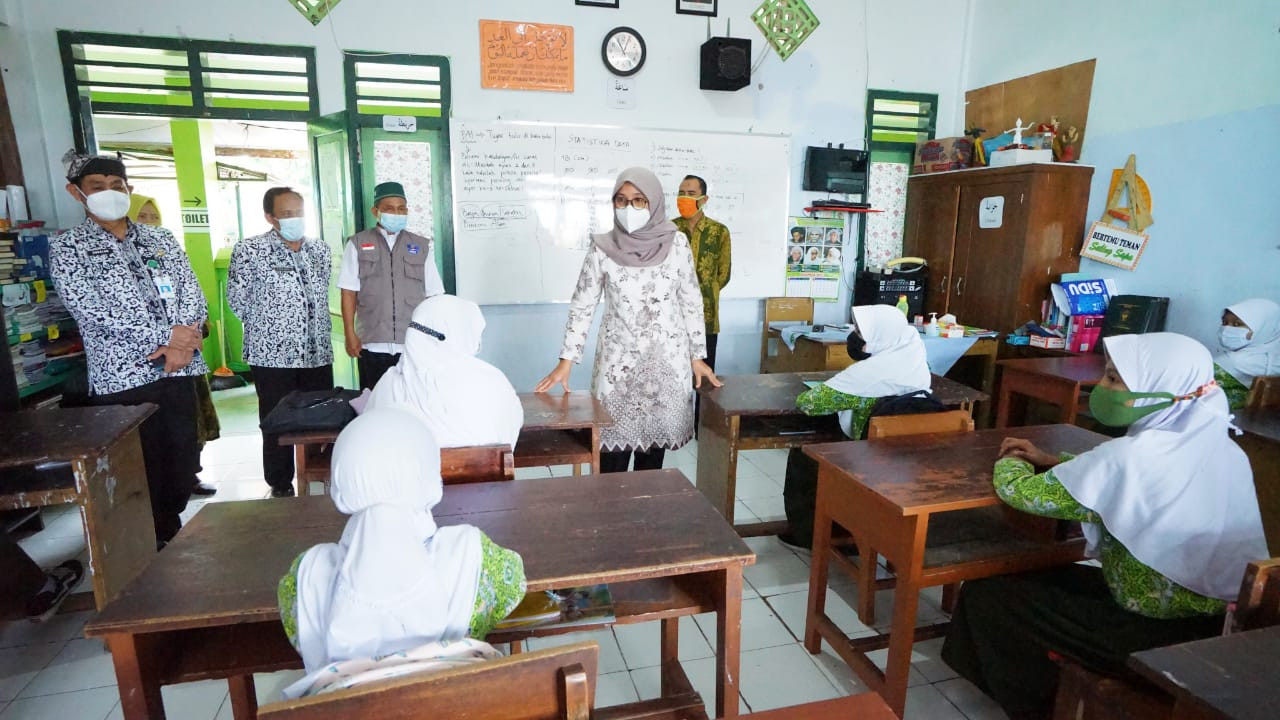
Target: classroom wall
(817, 96)
(1191, 88)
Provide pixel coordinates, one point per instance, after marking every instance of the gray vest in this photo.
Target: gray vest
(392, 283)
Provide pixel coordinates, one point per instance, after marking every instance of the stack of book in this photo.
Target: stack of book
(24, 256)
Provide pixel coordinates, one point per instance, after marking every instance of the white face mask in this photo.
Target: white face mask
(109, 205)
(632, 219)
(1232, 337)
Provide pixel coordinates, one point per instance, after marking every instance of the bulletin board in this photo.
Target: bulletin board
(527, 196)
(1063, 92)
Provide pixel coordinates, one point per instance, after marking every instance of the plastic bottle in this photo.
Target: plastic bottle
(931, 327)
(902, 305)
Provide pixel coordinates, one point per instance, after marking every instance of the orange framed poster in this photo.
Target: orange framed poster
(526, 56)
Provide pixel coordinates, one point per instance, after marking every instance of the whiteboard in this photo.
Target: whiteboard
(527, 196)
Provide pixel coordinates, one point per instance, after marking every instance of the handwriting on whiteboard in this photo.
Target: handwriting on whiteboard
(492, 216)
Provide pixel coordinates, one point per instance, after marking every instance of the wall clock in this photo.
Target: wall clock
(623, 51)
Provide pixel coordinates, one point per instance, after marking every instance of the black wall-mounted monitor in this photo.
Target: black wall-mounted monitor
(835, 170)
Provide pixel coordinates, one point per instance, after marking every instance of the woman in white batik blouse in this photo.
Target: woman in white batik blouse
(652, 341)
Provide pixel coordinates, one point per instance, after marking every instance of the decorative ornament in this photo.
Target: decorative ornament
(785, 24)
(314, 10)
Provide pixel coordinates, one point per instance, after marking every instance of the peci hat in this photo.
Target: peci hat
(386, 190)
(79, 166)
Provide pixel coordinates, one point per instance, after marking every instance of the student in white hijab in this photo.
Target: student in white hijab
(1250, 340)
(1169, 510)
(395, 581)
(889, 360)
(464, 400)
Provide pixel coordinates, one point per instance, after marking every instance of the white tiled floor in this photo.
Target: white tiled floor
(51, 671)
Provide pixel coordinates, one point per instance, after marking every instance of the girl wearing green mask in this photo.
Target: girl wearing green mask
(1169, 510)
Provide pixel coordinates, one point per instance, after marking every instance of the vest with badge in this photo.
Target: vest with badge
(392, 283)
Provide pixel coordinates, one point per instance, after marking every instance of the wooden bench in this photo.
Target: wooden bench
(865, 706)
(554, 684)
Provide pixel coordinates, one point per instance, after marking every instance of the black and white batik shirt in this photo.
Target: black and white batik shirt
(126, 296)
(282, 298)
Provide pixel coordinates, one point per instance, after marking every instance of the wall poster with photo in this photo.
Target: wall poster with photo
(815, 257)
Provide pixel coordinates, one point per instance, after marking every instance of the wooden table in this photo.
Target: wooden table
(756, 412)
(1057, 380)
(206, 607)
(813, 355)
(106, 479)
(1236, 677)
(557, 430)
(884, 493)
(1261, 442)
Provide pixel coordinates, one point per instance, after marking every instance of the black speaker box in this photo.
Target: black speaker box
(726, 64)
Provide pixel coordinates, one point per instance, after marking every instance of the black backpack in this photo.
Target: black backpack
(311, 410)
(800, 488)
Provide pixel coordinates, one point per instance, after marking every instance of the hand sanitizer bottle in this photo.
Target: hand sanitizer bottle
(931, 328)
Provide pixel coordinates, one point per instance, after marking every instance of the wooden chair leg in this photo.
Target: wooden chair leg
(517, 647)
(950, 593)
(244, 698)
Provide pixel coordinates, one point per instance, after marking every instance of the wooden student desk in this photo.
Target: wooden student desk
(558, 429)
(757, 412)
(1235, 677)
(108, 482)
(885, 492)
(1057, 380)
(1261, 442)
(813, 355)
(206, 607)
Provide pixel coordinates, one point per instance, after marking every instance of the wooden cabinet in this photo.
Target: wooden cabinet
(993, 269)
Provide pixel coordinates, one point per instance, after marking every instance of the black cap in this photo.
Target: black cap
(82, 165)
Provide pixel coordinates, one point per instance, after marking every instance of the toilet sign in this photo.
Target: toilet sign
(195, 219)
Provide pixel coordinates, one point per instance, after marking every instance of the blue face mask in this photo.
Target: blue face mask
(393, 223)
(292, 229)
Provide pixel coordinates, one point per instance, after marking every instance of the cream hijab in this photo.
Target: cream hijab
(395, 581)
(897, 365)
(1175, 490)
(650, 244)
(463, 399)
(1262, 355)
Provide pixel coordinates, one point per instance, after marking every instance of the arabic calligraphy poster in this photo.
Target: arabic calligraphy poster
(815, 256)
(1114, 245)
(526, 56)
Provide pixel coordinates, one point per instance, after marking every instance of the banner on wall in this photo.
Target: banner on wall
(815, 257)
(526, 56)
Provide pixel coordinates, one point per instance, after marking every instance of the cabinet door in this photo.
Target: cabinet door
(930, 233)
(990, 232)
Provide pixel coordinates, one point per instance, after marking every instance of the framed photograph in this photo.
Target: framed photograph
(696, 7)
(597, 3)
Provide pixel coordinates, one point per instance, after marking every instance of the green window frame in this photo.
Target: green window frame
(183, 78)
(896, 121)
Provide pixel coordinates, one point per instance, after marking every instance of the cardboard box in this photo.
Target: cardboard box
(1048, 343)
(942, 154)
(1002, 158)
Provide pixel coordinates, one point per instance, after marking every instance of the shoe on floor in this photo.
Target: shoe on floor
(203, 489)
(57, 586)
(282, 492)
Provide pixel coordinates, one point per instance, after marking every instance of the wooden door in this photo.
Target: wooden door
(930, 233)
(988, 260)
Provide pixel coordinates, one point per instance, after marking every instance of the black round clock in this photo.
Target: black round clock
(623, 51)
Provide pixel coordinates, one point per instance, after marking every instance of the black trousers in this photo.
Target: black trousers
(711, 362)
(23, 578)
(373, 365)
(272, 385)
(612, 461)
(169, 446)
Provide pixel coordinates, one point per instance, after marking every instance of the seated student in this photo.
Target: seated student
(1169, 509)
(395, 581)
(889, 360)
(463, 399)
(1250, 335)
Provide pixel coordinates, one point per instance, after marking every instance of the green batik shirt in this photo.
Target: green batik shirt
(825, 400)
(712, 256)
(1134, 586)
(499, 590)
(1236, 392)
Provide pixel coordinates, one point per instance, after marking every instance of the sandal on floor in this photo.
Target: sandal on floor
(57, 586)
